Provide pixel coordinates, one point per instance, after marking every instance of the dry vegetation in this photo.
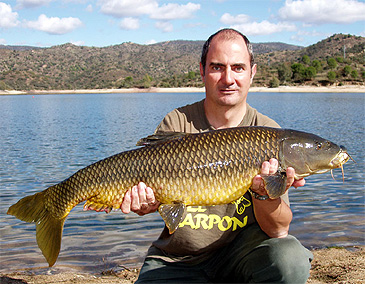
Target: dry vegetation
(175, 64)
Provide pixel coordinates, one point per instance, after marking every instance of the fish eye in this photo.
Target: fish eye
(318, 146)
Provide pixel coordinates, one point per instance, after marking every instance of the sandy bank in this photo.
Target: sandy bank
(333, 265)
(281, 89)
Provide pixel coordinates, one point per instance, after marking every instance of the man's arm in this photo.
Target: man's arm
(273, 215)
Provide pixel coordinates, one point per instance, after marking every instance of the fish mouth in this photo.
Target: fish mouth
(341, 158)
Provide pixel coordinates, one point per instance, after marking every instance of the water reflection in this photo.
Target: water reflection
(45, 139)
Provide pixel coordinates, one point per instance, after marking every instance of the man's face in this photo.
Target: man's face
(228, 74)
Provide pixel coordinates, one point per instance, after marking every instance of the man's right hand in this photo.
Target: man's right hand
(140, 200)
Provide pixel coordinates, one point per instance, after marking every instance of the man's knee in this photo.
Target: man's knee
(290, 261)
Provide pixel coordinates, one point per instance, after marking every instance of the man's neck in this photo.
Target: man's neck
(224, 116)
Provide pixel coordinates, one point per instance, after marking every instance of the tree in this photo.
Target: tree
(331, 75)
(346, 70)
(274, 83)
(317, 64)
(191, 75)
(284, 72)
(354, 74)
(310, 72)
(127, 82)
(332, 63)
(298, 70)
(306, 60)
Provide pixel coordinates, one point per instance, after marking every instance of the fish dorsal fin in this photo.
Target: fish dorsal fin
(172, 214)
(275, 184)
(160, 137)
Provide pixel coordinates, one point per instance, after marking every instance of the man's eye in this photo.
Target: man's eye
(216, 68)
(239, 69)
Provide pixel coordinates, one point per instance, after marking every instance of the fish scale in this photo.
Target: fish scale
(211, 168)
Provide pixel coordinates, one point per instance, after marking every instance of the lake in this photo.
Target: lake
(46, 138)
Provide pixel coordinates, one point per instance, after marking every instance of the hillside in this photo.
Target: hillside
(166, 64)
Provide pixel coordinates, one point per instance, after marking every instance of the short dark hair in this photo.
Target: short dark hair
(228, 34)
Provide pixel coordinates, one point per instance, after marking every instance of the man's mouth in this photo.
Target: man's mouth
(228, 91)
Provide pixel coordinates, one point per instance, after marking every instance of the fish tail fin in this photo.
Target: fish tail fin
(49, 229)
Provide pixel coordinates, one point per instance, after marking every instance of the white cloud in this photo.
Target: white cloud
(228, 19)
(31, 3)
(150, 8)
(89, 8)
(172, 11)
(323, 12)
(263, 28)
(127, 8)
(129, 23)
(78, 42)
(8, 18)
(164, 26)
(54, 25)
(2, 41)
(151, 41)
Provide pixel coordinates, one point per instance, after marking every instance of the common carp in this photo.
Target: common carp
(210, 168)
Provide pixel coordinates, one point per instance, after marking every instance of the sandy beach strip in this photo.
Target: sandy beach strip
(281, 89)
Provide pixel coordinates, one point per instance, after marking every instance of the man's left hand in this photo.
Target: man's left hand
(269, 168)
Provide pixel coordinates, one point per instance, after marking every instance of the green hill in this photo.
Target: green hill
(165, 64)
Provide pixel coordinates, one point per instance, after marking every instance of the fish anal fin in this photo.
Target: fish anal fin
(275, 184)
(172, 214)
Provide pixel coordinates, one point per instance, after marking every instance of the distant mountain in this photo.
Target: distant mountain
(165, 64)
(18, 47)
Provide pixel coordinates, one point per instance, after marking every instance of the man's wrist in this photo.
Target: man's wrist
(258, 196)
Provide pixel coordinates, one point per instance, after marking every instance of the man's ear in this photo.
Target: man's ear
(202, 72)
(253, 72)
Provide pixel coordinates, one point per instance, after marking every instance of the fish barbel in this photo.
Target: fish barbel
(210, 168)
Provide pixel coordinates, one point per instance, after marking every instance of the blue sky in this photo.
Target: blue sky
(109, 22)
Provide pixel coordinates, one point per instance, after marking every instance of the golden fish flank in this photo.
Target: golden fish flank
(210, 168)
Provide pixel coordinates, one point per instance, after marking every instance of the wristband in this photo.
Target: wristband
(258, 196)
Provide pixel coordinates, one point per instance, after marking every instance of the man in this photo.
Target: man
(247, 240)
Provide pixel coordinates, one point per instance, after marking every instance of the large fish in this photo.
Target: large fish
(209, 168)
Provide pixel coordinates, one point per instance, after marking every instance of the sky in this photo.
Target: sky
(102, 23)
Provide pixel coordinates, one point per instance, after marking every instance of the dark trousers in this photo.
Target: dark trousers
(252, 257)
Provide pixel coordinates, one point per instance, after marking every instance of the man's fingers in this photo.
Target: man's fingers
(126, 204)
(142, 193)
(290, 173)
(265, 168)
(135, 205)
(150, 196)
(274, 164)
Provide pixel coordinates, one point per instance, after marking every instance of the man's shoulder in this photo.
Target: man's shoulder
(258, 119)
(189, 118)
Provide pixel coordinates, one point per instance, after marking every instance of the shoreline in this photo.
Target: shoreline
(330, 265)
(281, 89)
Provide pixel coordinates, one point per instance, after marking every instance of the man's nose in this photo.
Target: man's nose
(228, 76)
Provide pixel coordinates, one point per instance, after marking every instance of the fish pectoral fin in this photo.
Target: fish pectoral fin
(160, 137)
(275, 184)
(172, 214)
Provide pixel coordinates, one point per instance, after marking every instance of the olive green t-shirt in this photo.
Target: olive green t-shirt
(205, 228)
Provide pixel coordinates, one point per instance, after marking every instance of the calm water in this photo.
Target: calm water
(45, 139)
